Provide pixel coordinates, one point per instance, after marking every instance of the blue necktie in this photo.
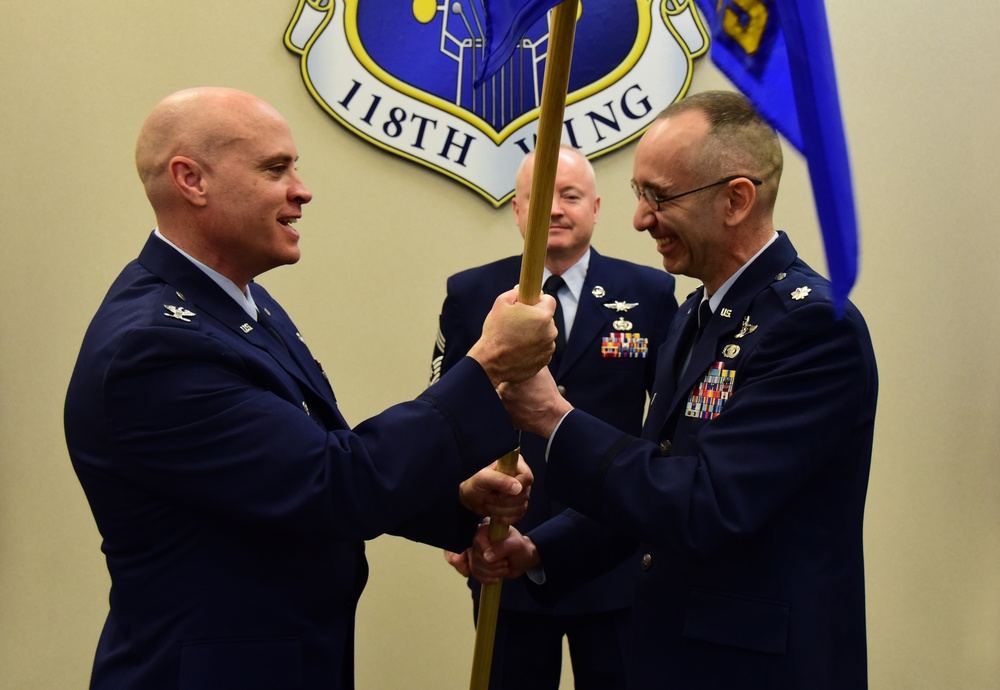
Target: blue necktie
(262, 319)
(704, 314)
(551, 287)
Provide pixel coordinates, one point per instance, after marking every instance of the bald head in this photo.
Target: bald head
(575, 206)
(199, 123)
(219, 168)
(737, 140)
(568, 157)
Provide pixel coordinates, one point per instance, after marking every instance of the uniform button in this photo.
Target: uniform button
(562, 390)
(665, 447)
(647, 561)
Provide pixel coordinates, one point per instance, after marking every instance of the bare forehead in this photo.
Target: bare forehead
(670, 146)
(261, 137)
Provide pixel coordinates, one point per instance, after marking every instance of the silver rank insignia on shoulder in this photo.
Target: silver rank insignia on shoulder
(179, 313)
(597, 292)
(746, 328)
(800, 293)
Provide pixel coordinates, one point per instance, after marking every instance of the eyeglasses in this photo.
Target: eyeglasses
(655, 201)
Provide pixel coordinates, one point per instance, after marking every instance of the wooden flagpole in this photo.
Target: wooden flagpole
(543, 181)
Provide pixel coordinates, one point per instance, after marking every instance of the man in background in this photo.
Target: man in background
(233, 498)
(612, 316)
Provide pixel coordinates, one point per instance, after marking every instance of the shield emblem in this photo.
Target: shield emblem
(401, 76)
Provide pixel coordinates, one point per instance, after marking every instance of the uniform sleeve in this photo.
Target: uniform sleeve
(190, 419)
(806, 399)
(453, 337)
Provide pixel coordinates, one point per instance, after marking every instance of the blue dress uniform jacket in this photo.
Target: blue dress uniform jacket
(611, 388)
(232, 496)
(747, 490)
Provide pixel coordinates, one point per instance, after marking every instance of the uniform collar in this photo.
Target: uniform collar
(244, 299)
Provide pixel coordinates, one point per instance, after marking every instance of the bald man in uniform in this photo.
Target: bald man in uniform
(233, 497)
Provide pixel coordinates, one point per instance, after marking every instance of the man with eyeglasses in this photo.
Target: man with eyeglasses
(746, 489)
(615, 315)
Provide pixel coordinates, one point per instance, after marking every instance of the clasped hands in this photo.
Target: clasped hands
(515, 347)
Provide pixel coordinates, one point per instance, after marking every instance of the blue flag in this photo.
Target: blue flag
(506, 22)
(778, 53)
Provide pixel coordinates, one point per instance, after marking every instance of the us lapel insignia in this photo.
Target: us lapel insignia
(179, 313)
(246, 328)
(597, 292)
(800, 293)
(730, 351)
(746, 328)
(624, 346)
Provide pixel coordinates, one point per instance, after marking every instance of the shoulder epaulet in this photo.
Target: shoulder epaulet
(796, 288)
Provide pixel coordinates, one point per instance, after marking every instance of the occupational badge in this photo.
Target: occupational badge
(621, 324)
(746, 328)
(620, 306)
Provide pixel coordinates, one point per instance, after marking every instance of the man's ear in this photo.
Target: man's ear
(189, 179)
(741, 196)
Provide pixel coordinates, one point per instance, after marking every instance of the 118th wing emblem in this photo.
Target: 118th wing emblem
(179, 313)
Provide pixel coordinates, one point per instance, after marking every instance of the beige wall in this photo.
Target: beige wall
(920, 103)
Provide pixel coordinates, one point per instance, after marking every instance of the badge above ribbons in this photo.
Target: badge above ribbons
(401, 76)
